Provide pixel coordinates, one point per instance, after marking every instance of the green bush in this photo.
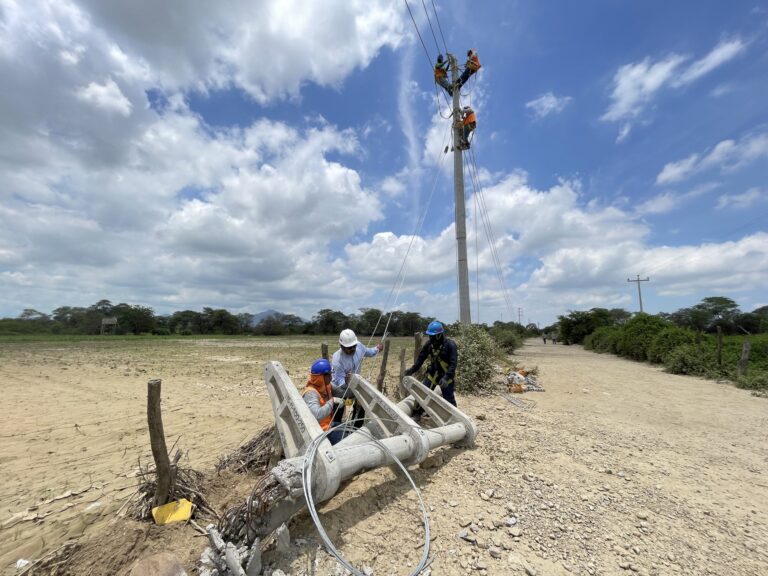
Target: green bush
(477, 354)
(637, 334)
(667, 340)
(690, 359)
(757, 381)
(603, 339)
(508, 339)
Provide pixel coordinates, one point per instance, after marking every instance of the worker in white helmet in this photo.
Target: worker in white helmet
(347, 361)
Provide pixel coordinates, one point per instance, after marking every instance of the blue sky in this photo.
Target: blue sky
(281, 155)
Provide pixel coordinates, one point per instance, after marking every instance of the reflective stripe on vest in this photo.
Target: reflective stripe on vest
(442, 363)
(325, 423)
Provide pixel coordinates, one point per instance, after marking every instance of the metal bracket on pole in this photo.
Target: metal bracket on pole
(385, 419)
(297, 428)
(440, 410)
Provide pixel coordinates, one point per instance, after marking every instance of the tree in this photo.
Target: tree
(328, 321)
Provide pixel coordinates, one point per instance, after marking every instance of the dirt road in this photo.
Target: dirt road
(618, 468)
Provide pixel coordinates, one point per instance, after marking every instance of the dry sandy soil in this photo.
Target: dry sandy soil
(618, 468)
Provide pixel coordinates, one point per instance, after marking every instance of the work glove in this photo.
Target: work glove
(443, 382)
(409, 372)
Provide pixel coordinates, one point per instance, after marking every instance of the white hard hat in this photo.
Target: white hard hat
(347, 338)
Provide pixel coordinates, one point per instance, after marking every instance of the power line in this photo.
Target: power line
(430, 26)
(437, 18)
(429, 59)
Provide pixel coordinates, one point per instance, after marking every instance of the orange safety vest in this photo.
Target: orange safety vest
(440, 71)
(316, 383)
(470, 118)
(474, 62)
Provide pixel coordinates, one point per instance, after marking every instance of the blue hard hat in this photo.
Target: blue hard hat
(321, 366)
(434, 328)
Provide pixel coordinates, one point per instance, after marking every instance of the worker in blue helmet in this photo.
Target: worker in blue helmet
(320, 399)
(443, 357)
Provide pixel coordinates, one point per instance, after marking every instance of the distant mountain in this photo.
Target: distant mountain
(261, 315)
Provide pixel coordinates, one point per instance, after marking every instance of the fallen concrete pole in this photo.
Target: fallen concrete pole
(279, 494)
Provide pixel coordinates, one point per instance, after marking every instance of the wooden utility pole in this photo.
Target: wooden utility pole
(639, 292)
(458, 193)
(157, 440)
(324, 350)
(744, 360)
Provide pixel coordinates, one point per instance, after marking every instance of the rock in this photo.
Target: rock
(495, 552)
(453, 503)
(515, 532)
(253, 567)
(511, 521)
(465, 522)
(480, 565)
(283, 540)
(642, 515)
(624, 565)
(279, 572)
(433, 461)
(527, 478)
(161, 564)
(480, 417)
(367, 570)
(465, 535)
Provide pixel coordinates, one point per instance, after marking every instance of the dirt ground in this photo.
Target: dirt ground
(616, 468)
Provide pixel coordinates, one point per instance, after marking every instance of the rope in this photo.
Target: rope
(306, 476)
(488, 228)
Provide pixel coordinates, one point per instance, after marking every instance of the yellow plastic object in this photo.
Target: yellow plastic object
(349, 402)
(177, 511)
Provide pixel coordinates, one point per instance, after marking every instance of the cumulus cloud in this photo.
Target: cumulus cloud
(636, 85)
(106, 96)
(547, 104)
(726, 155)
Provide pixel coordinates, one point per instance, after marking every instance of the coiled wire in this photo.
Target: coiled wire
(306, 476)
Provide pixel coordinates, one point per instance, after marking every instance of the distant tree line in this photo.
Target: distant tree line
(137, 319)
(707, 316)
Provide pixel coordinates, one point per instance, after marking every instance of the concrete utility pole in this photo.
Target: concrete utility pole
(520, 316)
(639, 292)
(458, 191)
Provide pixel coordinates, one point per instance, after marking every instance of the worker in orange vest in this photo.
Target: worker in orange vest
(441, 74)
(471, 67)
(469, 123)
(319, 398)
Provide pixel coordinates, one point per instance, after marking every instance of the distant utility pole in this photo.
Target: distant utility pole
(458, 192)
(520, 316)
(639, 292)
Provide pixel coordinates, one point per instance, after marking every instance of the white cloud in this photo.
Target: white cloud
(725, 51)
(547, 104)
(106, 96)
(727, 155)
(668, 201)
(742, 201)
(636, 85)
(269, 48)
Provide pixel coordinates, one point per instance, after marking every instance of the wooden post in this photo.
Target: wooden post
(417, 337)
(157, 440)
(324, 350)
(744, 361)
(383, 369)
(400, 390)
(719, 346)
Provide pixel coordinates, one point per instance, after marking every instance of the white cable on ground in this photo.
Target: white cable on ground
(306, 477)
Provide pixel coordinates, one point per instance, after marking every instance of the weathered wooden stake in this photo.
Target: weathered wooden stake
(719, 346)
(744, 361)
(324, 350)
(157, 440)
(383, 369)
(417, 337)
(400, 391)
